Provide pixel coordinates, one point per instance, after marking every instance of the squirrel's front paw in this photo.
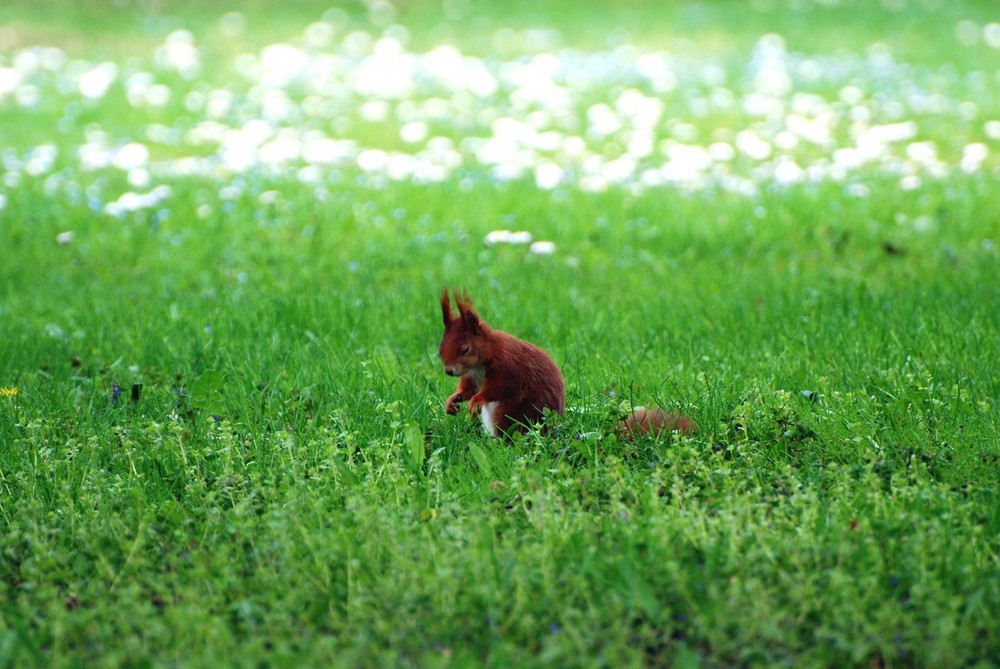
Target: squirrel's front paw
(476, 404)
(451, 405)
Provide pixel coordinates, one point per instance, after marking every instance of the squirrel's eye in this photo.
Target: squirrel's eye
(465, 349)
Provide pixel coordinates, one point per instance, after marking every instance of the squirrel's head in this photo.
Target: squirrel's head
(461, 347)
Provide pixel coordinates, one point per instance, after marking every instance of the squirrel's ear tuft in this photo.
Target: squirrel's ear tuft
(446, 307)
(465, 311)
(471, 321)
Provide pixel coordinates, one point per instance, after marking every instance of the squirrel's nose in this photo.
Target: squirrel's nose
(451, 371)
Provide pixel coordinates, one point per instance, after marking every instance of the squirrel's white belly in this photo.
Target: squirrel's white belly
(486, 413)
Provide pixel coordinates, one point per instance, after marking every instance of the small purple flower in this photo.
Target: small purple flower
(116, 390)
(554, 628)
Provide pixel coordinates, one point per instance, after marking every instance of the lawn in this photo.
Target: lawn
(224, 234)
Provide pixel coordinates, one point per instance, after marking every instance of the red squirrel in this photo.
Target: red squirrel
(506, 380)
(510, 382)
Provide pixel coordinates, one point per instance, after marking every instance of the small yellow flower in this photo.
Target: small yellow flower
(8, 392)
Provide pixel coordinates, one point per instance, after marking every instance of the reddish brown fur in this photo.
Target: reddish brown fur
(494, 366)
(653, 421)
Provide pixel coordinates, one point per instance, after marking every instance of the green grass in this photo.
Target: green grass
(222, 436)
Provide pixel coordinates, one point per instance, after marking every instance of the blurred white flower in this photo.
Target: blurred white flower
(28, 96)
(158, 95)
(507, 237)
(281, 64)
(548, 176)
(788, 172)
(991, 35)
(10, 79)
(413, 132)
(139, 178)
(95, 82)
(325, 151)
(924, 153)
(130, 156)
(180, 54)
(280, 150)
(621, 117)
(973, 156)
(375, 111)
(371, 160)
(131, 201)
(542, 248)
(752, 145)
(41, 159)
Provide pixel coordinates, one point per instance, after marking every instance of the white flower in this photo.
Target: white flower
(991, 35)
(548, 176)
(542, 248)
(507, 237)
(413, 132)
(131, 156)
(95, 82)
